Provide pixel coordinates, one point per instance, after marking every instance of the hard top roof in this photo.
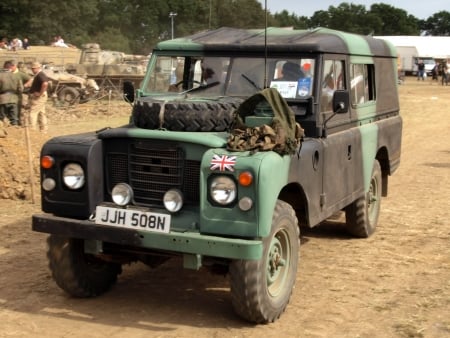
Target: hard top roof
(319, 40)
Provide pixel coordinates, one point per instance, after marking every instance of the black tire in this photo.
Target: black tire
(68, 96)
(261, 289)
(362, 215)
(186, 116)
(79, 274)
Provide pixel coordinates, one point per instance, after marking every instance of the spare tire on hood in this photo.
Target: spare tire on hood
(187, 115)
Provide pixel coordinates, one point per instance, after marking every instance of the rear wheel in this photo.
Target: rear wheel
(261, 289)
(77, 273)
(362, 215)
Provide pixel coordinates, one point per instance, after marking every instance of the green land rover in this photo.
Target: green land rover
(236, 139)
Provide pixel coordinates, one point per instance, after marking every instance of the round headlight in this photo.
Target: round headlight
(173, 200)
(122, 194)
(223, 190)
(73, 176)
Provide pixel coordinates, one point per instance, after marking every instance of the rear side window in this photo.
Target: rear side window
(362, 80)
(332, 79)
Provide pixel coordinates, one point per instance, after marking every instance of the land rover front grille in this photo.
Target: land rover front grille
(151, 169)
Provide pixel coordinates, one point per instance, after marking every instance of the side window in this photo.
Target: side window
(362, 80)
(332, 79)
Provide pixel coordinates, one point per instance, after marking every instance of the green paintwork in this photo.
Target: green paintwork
(356, 44)
(212, 140)
(270, 172)
(369, 144)
(195, 243)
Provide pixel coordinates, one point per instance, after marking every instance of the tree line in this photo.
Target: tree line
(135, 26)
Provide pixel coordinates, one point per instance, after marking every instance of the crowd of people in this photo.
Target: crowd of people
(23, 97)
(17, 43)
(14, 44)
(442, 69)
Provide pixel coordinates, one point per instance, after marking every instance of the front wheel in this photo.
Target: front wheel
(362, 215)
(79, 274)
(68, 96)
(261, 289)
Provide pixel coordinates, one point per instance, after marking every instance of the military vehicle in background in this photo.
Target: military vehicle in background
(47, 55)
(108, 68)
(68, 89)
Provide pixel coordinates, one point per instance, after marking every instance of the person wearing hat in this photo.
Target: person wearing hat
(38, 98)
(10, 89)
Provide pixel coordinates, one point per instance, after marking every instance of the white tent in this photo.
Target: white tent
(437, 47)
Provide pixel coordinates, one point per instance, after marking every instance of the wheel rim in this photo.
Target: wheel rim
(278, 258)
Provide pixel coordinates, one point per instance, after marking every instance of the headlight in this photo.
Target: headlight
(223, 190)
(122, 194)
(73, 176)
(173, 200)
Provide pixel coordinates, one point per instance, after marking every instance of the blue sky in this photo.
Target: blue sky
(420, 9)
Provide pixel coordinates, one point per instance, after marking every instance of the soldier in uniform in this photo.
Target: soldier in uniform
(24, 78)
(10, 89)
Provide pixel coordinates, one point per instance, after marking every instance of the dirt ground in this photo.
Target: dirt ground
(394, 284)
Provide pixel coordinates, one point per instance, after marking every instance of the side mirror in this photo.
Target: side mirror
(341, 99)
(128, 91)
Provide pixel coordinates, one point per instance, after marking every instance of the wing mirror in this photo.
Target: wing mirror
(341, 100)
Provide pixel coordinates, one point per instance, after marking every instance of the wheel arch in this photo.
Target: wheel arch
(294, 194)
(383, 158)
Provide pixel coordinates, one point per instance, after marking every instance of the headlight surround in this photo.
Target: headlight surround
(73, 176)
(122, 194)
(223, 190)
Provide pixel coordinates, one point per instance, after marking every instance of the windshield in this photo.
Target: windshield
(229, 76)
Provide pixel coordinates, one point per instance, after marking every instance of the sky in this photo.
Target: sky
(419, 9)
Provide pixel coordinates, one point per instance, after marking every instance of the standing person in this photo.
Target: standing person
(420, 70)
(10, 90)
(435, 72)
(23, 78)
(38, 98)
(445, 72)
(26, 43)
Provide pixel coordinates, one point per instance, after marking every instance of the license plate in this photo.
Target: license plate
(132, 219)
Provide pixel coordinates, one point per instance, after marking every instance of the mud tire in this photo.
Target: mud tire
(186, 116)
(68, 96)
(362, 215)
(80, 275)
(260, 292)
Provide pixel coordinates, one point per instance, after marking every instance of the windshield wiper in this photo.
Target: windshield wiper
(201, 87)
(251, 81)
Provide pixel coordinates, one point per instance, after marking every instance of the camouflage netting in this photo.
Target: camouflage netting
(283, 135)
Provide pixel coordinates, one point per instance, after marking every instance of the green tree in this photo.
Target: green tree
(135, 26)
(72, 20)
(394, 21)
(286, 19)
(437, 24)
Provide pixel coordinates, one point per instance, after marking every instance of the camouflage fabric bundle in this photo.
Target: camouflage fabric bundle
(283, 135)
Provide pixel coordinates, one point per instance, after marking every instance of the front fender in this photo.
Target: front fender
(270, 175)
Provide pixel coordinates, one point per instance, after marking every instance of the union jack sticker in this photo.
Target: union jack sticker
(223, 163)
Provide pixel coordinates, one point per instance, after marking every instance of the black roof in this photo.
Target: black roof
(321, 40)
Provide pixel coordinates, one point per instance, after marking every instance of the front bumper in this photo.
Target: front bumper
(190, 242)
